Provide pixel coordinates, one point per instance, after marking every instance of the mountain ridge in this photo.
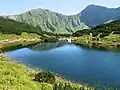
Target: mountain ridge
(50, 21)
(90, 5)
(57, 23)
(94, 15)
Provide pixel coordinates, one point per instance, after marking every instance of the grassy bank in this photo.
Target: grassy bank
(105, 35)
(9, 41)
(15, 76)
(108, 42)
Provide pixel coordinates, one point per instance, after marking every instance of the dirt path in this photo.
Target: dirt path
(7, 42)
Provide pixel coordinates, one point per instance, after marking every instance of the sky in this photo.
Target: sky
(67, 7)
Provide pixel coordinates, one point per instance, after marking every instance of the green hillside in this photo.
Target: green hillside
(50, 21)
(53, 22)
(102, 30)
(9, 26)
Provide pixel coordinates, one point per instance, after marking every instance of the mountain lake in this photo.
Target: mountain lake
(78, 63)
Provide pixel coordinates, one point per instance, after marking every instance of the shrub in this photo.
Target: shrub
(46, 77)
(69, 86)
(104, 35)
(51, 39)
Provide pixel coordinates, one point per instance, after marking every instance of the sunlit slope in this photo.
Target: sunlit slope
(50, 21)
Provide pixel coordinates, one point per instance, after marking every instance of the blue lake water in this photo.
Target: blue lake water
(74, 62)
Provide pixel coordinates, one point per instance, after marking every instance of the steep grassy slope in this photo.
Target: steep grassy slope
(50, 21)
(8, 26)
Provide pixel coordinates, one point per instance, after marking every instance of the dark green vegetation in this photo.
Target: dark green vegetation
(13, 30)
(45, 77)
(101, 30)
(103, 36)
(9, 26)
(19, 77)
(51, 39)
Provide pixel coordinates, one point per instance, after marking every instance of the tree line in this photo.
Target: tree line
(103, 30)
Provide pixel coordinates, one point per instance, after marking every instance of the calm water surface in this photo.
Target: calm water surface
(74, 62)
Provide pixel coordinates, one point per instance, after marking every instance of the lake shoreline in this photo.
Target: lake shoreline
(7, 44)
(99, 44)
(33, 44)
(59, 80)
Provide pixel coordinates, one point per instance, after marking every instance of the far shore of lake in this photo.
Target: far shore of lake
(98, 43)
(10, 43)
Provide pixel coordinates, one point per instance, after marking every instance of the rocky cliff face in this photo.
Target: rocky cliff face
(94, 15)
(50, 21)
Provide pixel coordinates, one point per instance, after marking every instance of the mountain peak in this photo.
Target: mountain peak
(91, 6)
(94, 15)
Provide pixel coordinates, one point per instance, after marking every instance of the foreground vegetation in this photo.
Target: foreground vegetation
(19, 77)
